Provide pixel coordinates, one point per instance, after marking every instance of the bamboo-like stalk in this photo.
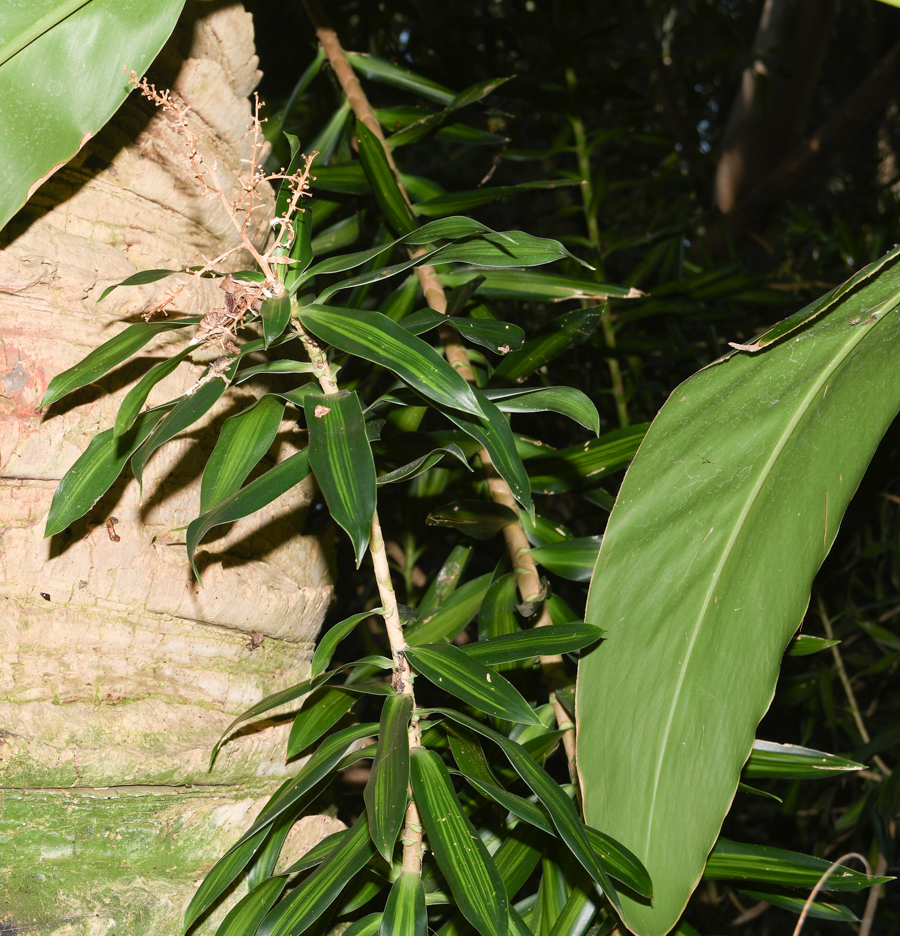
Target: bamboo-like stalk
(528, 579)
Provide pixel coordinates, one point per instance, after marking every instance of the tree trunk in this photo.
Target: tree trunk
(118, 671)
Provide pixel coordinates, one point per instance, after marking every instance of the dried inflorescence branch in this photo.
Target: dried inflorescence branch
(240, 297)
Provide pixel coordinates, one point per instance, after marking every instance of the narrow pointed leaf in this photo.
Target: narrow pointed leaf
(478, 519)
(275, 367)
(377, 273)
(573, 559)
(508, 249)
(264, 861)
(333, 636)
(375, 338)
(383, 181)
(305, 904)
(243, 441)
(320, 712)
(499, 337)
(792, 762)
(818, 909)
(96, 470)
(405, 913)
(137, 395)
(584, 466)
(450, 617)
(422, 464)
(469, 756)
(452, 670)
(537, 286)
(103, 359)
(275, 314)
(445, 582)
(464, 861)
(140, 279)
(539, 641)
(498, 615)
(341, 459)
(710, 551)
(567, 401)
(804, 645)
(461, 202)
(384, 72)
(319, 852)
(249, 911)
(369, 925)
(579, 911)
(386, 792)
(256, 495)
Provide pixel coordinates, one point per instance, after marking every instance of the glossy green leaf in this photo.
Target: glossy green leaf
(818, 909)
(319, 852)
(242, 442)
(478, 519)
(804, 645)
(342, 234)
(537, 286)
(499, 337)
(452, 616)
(405, 913)
(343, 178)
(139, 279)
(584, 466)
(225, 870)
(444, 583)
(256, 495)
(303, 906)
(275, 314)
(321, 711)
(249, 911)
(452, 670)
(570, 828)
(384, 184)
(464, 861)
(422, 464)
(469, 755)
(341, 459)
(508, 249)
(96, 470)
(275, 367)
(498, 616)
(375, 338)
(189, 409)
(368, 884)
(542, 532)
(579, 911)
(369, 925)
(572, 559)
(386, 792)
(333, 636)
(461, 202)
(103, 359)
(740, 861)
(376, 273)
(137, 395)
(470, 136)
(549, 640)
(792, 762)
(567, 401)
(384, 72)
(47, 114)
(708, 557)
(264, 861)
(492, 432)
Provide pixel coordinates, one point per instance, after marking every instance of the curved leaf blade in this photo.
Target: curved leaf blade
(567, 401)
(549, 640)
(383, 181)
(386, 792)
(137, 395)
(464, 861)
(246, 915)
(385, 72)
(725, 545)
(451, 616)
(475, 518)
(333, 636)
(405, 913)
(275, 314)
(320, 712)
(572, 559)
(793, 762)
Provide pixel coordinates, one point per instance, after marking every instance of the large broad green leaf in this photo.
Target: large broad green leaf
(386, 792)
(62, 76)
(341, 459)
(732, 503)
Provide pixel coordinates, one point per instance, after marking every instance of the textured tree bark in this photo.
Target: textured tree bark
(117, 671)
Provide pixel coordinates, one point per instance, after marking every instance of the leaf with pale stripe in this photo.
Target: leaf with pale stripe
(539, 641)
(405, 913)
(386, 792)
(137, 395)
(333, 636)
(320, 712)
(249, 912)
(383, 181)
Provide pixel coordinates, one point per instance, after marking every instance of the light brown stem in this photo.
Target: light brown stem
(865, 926)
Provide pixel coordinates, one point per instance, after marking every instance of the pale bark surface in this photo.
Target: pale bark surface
(117, 671)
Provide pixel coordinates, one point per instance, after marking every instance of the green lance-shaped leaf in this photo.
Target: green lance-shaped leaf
(185, 413)
(500, 337)
(567, 401)
(95, 471)
(256, 495)
(573, 559)
(444, 583)
(48, 115)
(452, 670)
(386, 792)
(342, 234)
(792, 762)
(464, 861)
(320, 712)
(369, 925)
(539, 641)
(508, 249)
(306, 903)
(275, 313)
(739, 861)
(375, 338)
(585, 466)
(275, 367)
(250, 911)
(103, 359)
(804, 645)
(498, 616)
(818, 909)
(450, 617)
(461, 202)
(264, 861)
(537, 286)
(137, 395)
(140, 279)
(405, 913)
(243, 441)
(333, 636)
(341, 459)
(383, 181)
(569, 827)
(708, 557)
(478, 519)
(385, 72)
(423, 463)
(318, 853)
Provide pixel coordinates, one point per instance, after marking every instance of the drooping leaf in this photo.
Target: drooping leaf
(265, 859)
(451, 616)
(103, 359)
(246, 915)
(256, 495)
(137, 395)
(711, 557)
(792, 762)
(498, 615)
(567, 401)
(48, 115)
(478, 519)
(572, 559)
(303, 906)
(242, 442)
(464, 861)
(539, 641)
(464, 677)
(423, 463)
(139, 279)
(320, 712)
(405, 913)
(381, 177)
(96, 470)
(508, 249)
(376, 338)
(818, 909)
(384, 72)
(386, 792)
(275, 367)
(333, 636)
(537, 286)
(341, 459)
